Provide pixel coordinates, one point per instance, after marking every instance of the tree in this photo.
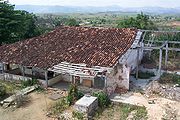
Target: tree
(141, 21)
(72, 22)
(15, 24)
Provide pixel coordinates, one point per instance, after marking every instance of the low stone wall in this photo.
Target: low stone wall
(54, 80)
(7, 76)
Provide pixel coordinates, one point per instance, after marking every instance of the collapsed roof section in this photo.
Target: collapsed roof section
(91, 46)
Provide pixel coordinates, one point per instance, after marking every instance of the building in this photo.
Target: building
(93, 57)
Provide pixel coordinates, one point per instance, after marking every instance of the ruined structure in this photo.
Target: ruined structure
(94, 57)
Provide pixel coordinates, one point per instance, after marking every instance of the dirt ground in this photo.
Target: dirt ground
(174, 24)
(35, 110)
(162, 108)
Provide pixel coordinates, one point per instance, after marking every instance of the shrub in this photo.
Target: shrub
(73, 94)
(170, 78)
(103, 99)
(80, 94)
(26, 83)
(2, 90)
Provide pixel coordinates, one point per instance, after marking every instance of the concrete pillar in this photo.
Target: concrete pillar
(137, 62)
(3, 71)
(2, 68)
(166, 57)
(23, 71)
(160, 61)
(46, 77)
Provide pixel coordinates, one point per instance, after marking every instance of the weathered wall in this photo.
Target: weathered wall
(87, 78)
(66, 77)
(54, 80)
(27, 71)
(7, 76)
(118, 77)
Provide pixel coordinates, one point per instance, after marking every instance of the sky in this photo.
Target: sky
(122, 3)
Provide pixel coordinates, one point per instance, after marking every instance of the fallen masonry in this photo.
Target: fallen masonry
(167, 91)
(87, 105)
(8, 101)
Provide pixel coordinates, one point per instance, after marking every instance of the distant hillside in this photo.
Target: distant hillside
(90, 9)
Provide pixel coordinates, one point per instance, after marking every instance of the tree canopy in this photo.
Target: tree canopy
(141, 21)
(72, 22)
(16, 24)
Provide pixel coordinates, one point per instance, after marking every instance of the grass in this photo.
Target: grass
(168, 78)
(121, 111)
(58, 107)
(78, 115)
(10, 88)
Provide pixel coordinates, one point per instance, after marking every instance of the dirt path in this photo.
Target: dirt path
(163, 108)
(35, 110)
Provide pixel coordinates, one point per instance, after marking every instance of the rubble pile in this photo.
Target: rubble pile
(14, 98)
(52, 91)
(167, 91)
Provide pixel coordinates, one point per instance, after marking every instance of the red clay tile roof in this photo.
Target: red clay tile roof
(92, 46)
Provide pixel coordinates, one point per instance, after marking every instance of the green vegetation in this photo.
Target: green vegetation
(141, 21)
(73, 94)
(103, 99)
(72, 22)
(26, 83)
(7, 88)
(170, 78)
(78, 115)
(16, 25)
(58, 107)
(122, 111)
(2, 90)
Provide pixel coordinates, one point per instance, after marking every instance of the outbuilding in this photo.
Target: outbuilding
(93, 57)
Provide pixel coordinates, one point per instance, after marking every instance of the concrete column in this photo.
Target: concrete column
(46, 77)
(23, 71)
(137, 62)
(3, 71)
(160, 61)
(2, 68)
(166, 57)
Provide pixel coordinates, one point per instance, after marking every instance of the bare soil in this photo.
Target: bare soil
(160, 109)
(36, 109)
(174, 24)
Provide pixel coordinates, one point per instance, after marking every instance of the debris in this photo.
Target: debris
(55, 96)
(151, 102)
(167, 91)
(12, 98)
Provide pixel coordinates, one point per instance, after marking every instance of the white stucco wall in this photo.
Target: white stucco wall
(126, 64)
(131, 61)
